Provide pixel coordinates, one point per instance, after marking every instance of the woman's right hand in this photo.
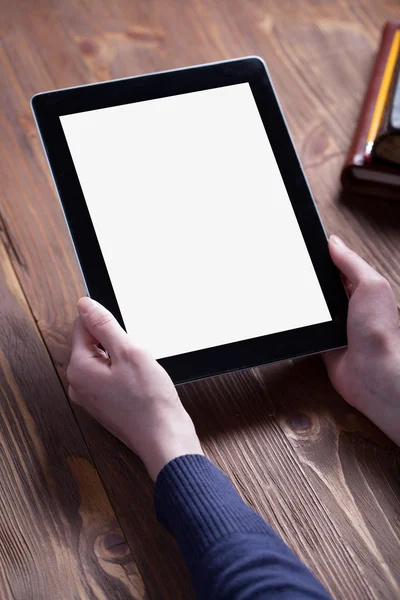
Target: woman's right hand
(367, 372)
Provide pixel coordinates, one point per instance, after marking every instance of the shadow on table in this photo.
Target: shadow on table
(295, 395)
(383, 212)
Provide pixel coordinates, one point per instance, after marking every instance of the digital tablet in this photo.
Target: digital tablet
(191, 217)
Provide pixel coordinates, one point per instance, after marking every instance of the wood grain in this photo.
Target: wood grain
(288, 434)
(59, 537)
(320, 473)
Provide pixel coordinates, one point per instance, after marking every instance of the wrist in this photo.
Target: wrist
(383, 406)
(172, 436)
(161, 456)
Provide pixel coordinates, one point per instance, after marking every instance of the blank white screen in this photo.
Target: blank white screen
(192, 216)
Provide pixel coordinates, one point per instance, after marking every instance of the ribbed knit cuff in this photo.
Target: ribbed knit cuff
(197, 503)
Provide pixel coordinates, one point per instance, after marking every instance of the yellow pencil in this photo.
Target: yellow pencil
(383, 94)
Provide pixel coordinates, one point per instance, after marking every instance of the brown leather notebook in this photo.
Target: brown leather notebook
(369, 177)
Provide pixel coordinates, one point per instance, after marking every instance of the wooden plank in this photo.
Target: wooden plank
(59, 537)
(129, 488)
(297, 453)
(312, 466)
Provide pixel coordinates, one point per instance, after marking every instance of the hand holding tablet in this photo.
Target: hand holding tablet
(191, 217)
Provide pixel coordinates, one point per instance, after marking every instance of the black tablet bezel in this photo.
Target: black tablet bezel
(49, 106)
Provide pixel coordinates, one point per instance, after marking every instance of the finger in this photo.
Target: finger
(353, 267)
(332, 359)
(102, 326)
(374, 303)
(82, 339)
(84, 347)
(73, 394)
(349, 287)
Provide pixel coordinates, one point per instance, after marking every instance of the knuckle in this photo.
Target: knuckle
(130, 353)
(100, 320)
(386, 287)
(379, 337)
(378, 284)
(141, 354)
(127, 353)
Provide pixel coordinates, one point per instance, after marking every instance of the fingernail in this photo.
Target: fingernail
(336, 240)
(85, 304)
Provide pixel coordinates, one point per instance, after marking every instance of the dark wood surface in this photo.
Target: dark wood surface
(59, 537)
(318, 471)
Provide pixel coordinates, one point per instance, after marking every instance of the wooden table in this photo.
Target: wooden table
(76, 516)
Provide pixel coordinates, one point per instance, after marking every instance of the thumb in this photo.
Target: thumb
(375, 305)
(102, 325)
(353, 267)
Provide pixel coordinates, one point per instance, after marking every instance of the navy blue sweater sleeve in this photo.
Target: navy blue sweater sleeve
(230, 551)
